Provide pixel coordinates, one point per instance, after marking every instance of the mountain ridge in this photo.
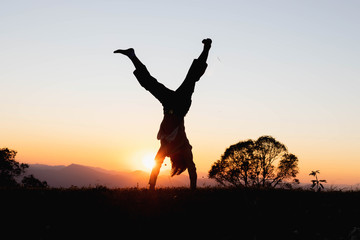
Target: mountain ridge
(86, 176)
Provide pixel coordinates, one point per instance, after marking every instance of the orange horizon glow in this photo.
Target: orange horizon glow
(143, 160)
(148, 161)
(65, 148)
(66, 98)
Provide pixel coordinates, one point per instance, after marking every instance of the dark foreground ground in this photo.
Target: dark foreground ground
(208, 213)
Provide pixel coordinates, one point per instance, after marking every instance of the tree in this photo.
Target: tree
(253, 163)
(316, 183)
(237, 165)
(9, 168)
(32, 182)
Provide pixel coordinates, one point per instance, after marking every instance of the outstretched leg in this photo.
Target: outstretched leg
(131, 54)
(147, 81)
(205, 53)
(197, 69)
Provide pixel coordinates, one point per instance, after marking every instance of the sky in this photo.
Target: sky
(289, 69)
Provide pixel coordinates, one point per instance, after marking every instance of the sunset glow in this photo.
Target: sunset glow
(288, 69)
(148, 161)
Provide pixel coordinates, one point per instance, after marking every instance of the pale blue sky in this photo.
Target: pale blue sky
(289, 69)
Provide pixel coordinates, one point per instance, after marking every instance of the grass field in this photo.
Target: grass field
(177, 213)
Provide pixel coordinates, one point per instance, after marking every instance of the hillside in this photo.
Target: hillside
(84, 176)
(208, 213)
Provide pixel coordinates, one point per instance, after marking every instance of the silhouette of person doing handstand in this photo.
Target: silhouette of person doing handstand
(176, 104)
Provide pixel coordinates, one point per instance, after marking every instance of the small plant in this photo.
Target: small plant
(316, 183)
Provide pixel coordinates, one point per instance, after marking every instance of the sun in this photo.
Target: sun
(148, 161)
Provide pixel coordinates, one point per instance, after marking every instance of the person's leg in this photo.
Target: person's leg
(130, 53)
(145, 79)
(197, 69)
(205, 53)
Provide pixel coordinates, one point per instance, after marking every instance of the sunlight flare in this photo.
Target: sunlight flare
(148, 161)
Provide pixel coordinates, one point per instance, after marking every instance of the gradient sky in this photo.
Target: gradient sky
(289, 69)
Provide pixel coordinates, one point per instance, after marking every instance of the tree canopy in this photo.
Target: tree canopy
(261, 163)
(10, 170)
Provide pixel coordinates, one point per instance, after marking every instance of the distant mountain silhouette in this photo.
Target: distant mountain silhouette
(85, 176)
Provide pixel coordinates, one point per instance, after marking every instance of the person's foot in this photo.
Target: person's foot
(207, 42)
(128, 52)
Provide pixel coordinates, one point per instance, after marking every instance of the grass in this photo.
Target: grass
(178, 213)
